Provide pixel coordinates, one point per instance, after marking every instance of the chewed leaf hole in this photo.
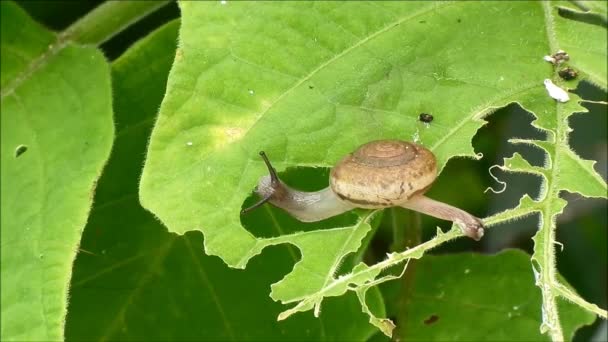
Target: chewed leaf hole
(269, 221)
(432, 319)
(20, 150)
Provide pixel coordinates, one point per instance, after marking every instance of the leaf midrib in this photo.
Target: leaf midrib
(36, 64)
(546, 260)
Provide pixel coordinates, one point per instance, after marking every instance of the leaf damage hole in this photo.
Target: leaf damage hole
(20, 150)
(432, 319)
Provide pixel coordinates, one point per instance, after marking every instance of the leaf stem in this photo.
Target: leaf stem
(578, 300)
(109, 19)
(392, 260)
(544, 240)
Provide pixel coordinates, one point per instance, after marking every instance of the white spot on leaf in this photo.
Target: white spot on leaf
(416, 136)
(549, 59)
(556, 92)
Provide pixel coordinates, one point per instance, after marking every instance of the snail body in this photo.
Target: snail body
(379, 174)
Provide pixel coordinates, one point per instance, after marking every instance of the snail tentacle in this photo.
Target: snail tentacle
(274, 179)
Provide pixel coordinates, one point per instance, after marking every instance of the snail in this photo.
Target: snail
(379, 174)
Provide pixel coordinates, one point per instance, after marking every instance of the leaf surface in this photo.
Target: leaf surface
(473, 297)
(585, 43)
(564, 170)
(135, 281)
(56, 135)
(308, 89)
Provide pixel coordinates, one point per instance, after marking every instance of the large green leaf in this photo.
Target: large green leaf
(564, 170)
(136, 281)
(309, 88)
(585, 43)
(474, 297)
(56, 135)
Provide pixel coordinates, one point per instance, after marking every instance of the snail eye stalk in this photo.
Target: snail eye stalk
(274, 178)
(274, 181)
(259, 203)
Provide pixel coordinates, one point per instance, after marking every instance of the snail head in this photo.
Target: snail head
(274, 184)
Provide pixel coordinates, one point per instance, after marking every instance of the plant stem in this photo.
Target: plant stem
(407, 235)
(109, 19)
(406, 228)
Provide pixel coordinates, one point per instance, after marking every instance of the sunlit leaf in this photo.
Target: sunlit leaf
(308, 89)
(135, 281)
(56, 136)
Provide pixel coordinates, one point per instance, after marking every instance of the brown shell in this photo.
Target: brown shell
(383, 173)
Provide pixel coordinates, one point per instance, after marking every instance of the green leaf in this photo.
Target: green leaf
(56, 135)
(564, 170)
(308, 89)
(585, 43)
(135, 281)
(474, 297)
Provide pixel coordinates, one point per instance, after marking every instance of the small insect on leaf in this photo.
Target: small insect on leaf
(567, 74)
(557, 58)
(425, 117)
(432, 319)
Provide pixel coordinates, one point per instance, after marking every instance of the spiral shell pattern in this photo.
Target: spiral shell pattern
(383, 173)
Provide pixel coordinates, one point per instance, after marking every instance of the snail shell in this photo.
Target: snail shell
(383, 173)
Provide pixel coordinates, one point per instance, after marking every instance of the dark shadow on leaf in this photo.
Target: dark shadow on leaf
(432, 319)
(588, 18)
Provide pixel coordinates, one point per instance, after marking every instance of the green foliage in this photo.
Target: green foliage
(56, 136)
(471, 297)
(342, 73)
(306, 89)
(184, 294)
